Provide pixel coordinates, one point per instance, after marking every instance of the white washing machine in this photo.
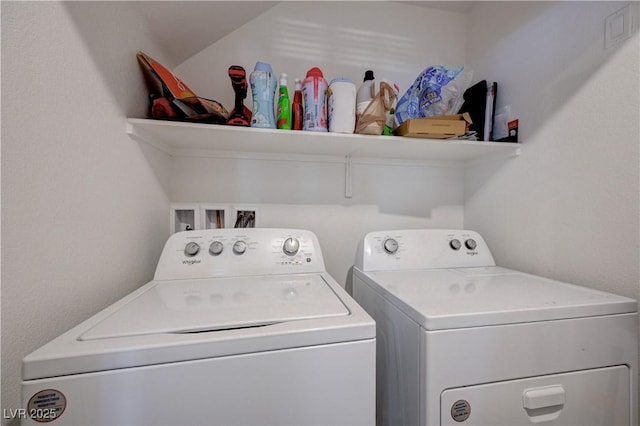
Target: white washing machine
(238, 327)
(461, 341)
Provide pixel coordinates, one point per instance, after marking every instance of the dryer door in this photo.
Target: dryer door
(591, 397)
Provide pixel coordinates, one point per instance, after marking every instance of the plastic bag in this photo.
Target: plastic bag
(374, 117)
(436, 91)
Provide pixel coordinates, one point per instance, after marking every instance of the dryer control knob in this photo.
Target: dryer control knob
(291, 246)
(239, 247)
(390, 245)
(191, 249)
(455, 244)
(216, 248)
(471, 244)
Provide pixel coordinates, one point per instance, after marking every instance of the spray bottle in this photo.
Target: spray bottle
(296, 107)
(284, 107)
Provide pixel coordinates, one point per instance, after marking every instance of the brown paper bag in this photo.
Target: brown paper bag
(374, 117)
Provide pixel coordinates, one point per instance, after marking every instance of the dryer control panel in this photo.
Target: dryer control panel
(422, 249)
(239, 252)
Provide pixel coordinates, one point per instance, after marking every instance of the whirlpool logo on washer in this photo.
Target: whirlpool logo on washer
(190, 262)
(472, 253)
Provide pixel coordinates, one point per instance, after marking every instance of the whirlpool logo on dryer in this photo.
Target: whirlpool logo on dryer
(191, 261)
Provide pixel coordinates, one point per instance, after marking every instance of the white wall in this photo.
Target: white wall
(84, 216)
(85, 208)
(568, 207)
(311, 196)
(344, 39)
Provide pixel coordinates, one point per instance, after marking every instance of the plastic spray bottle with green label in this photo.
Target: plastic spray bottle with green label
(284, 106)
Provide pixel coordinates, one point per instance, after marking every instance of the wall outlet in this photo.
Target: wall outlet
(617, 27)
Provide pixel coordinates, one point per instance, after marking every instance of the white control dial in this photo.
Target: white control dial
(216, 248)
(390, 245)
(191, 249)
(239, 247)
(291, 246)
(455, 244)
(471, 244)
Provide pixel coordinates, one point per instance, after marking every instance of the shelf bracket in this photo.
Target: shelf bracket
(348, 177)
(129, 129)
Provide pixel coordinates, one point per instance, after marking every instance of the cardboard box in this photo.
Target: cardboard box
(441, 127)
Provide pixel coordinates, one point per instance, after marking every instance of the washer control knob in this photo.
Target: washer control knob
(390, 245)
(291, 246)
(455, 244)
(239, 247)
(471, 244)
(216, 248)
(191, 249)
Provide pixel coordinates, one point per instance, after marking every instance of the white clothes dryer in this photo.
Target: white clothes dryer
(461, 341)
(238, 327)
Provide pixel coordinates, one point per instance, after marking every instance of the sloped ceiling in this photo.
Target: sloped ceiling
(184, 28)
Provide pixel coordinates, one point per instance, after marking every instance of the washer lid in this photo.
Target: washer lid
(470, 297)
(192, 306)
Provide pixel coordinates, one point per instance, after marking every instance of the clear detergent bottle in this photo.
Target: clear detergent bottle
(263, 89)
(314, 92)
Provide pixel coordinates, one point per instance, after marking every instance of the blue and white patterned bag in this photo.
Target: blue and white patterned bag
(436, 91)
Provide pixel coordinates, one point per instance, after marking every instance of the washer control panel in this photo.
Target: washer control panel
(237, 252)
(422, 249)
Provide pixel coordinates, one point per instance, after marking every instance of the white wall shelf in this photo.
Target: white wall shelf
(195, 139)
(179, 138)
